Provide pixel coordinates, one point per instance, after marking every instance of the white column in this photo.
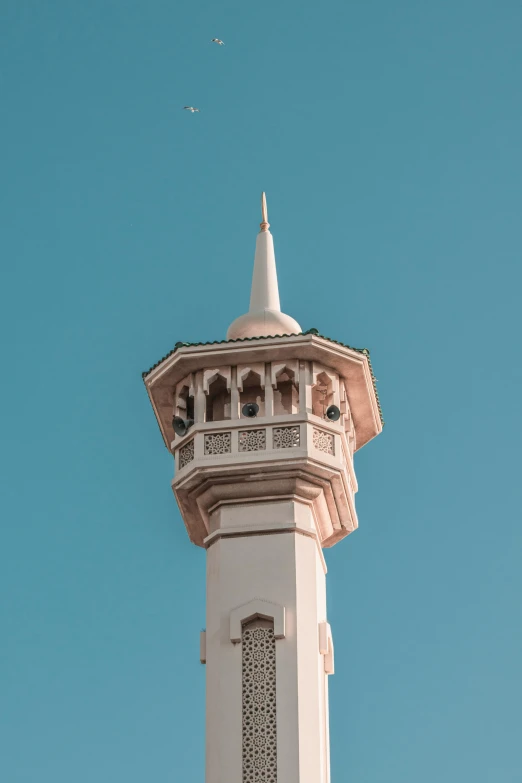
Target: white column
(269, 391)
(234, 395)
(305, 387)
(200, 400)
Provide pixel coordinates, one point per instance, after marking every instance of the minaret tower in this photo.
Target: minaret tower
(263, 427)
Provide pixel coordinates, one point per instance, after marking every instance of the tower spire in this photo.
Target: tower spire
(265, 225)
(264, 318)
(264, 294)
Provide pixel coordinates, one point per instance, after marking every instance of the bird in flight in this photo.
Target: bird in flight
(191, 108)
(218, 41)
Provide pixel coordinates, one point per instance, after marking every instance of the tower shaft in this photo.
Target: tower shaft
(267, 692)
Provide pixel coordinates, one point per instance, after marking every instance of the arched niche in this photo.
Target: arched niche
(323, 391)
(217, 389)
(257, 609)
(285, 380)
(184, 398)
(251, 389)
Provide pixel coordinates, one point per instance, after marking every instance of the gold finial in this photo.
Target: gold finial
(265, 225)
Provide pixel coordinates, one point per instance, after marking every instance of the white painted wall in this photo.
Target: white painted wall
(286, 569)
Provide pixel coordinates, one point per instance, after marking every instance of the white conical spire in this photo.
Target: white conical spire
(265, 291)
(264, 319)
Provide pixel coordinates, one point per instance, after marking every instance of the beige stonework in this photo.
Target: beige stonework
(263, 496)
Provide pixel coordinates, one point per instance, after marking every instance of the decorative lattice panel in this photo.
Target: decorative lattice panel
(323, 441)
(259, 705)
(186, 453)
(218, 443)
(286, 437)
(252, 440)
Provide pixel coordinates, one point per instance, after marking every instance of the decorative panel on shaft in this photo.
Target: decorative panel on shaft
(259, 703)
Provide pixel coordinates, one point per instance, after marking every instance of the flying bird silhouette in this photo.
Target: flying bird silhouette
(191, 108)
(218, 41)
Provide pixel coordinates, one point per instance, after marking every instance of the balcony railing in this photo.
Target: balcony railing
(244, 440)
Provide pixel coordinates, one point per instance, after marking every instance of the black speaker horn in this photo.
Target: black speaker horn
(250, 409)
(333, 413)
(181, 426)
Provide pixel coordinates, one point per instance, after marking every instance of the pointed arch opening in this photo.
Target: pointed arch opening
(252, 391)
(322, 394)
(218, 400)
(185, 403)
(286, 392)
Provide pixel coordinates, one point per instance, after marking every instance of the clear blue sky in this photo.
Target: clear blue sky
(387, 136)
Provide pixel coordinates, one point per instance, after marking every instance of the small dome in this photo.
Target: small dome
(264, 323)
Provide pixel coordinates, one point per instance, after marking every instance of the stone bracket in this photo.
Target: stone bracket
(244, 369)
(210, 375)
(257, 608)
(277, 367)
(203, 647)
(326, 647)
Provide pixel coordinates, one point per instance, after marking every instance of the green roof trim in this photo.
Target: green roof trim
(364, 351)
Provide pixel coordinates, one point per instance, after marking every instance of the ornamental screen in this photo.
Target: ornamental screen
(259, 703)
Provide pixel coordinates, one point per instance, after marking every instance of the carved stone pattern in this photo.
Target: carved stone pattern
(218, 443)
(259, 706)
(186, 453)
(252, 440)
(323, 441)
(286, 437)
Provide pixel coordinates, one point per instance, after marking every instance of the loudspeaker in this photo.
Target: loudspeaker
(181, 426)
(333, 413)
(250, 409)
